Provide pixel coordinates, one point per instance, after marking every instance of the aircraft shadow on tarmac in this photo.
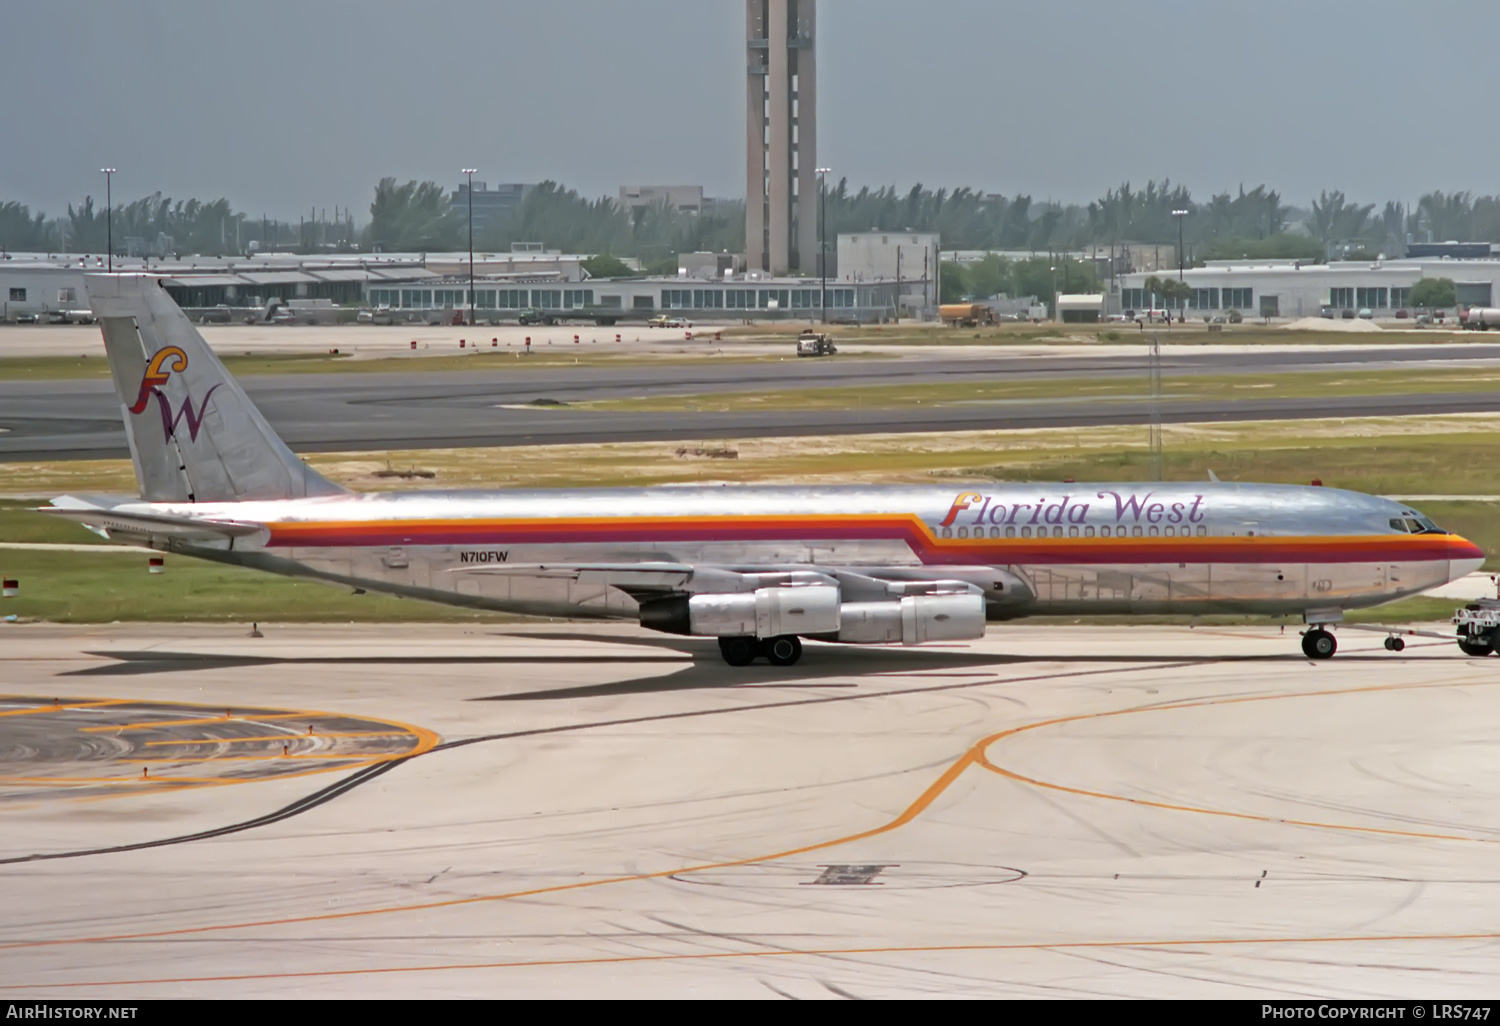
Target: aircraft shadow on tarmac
(133, 663)
(696, 664)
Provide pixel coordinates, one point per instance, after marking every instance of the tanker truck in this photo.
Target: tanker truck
(1480, 318)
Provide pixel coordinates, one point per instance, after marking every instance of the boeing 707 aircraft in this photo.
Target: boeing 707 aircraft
(758, 568)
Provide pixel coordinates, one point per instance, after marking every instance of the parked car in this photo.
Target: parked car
(28, 318)
(663, 321)
(1347, 315)
(1366, 314)
(535, 317)
(1402, 315)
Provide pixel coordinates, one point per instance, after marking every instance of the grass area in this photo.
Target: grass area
(1051, 334)
(1303, 385)
(63, 368)
(87, 587)
(1391, 455)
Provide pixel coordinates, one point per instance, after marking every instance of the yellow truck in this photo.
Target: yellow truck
(966, 315)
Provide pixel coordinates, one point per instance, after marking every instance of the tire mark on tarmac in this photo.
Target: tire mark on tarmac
(368, 773)
(365, 775)
(975, 755)
(712, 956)
(983, 760)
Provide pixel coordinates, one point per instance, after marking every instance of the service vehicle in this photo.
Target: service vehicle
(966, 315)
(811, 343)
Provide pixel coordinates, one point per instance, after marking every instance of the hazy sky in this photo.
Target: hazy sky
(288, 104)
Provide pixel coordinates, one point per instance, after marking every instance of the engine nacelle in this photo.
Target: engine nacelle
(913, 620)
(763, 613)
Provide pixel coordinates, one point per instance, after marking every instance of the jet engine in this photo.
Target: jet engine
(763, 613)
(912, 620)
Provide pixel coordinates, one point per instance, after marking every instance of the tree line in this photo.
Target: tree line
(417, 216)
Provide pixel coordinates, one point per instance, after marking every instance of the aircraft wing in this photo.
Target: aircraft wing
(686, 578)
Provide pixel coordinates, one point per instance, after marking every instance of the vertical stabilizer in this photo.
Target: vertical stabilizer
(194, 434)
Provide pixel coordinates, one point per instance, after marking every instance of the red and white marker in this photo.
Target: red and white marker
(156, 565)
(10, 588)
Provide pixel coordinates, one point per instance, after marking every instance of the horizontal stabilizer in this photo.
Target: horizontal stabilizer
(108, 521)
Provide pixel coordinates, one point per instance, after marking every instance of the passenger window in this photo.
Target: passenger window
(1169, 531)
(963, 532)
(1072, 532)
(947, 532)
(1025, 532)
(1088, 532)
(1057, 532)
(1010, 532)
(1202, 531)
(1154, 531)
(1137, 530)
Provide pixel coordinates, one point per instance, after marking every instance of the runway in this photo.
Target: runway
(589, 811)
(494, 406)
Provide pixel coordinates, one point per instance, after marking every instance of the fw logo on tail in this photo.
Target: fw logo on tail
(163, 364)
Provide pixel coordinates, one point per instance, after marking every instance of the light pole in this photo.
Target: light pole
(822, 173)
(109, 214)
(1179, 215)
(469, 171)
(1054, 292)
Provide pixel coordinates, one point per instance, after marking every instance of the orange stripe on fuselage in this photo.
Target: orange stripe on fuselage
(874, 527)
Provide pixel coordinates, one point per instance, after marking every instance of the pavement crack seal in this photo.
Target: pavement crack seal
(931, 794)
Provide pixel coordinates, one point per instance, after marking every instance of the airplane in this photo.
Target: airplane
(758, 568)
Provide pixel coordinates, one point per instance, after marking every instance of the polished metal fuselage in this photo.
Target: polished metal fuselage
(1034, 548)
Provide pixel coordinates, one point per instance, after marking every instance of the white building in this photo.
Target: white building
(1288, 288)
(876, 255)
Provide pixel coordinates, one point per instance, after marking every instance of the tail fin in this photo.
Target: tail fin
(194, 434)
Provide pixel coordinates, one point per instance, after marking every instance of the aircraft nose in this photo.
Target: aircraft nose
(1464, 558)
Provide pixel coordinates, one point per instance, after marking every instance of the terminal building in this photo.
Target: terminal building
(426, 287)
(1292, 289)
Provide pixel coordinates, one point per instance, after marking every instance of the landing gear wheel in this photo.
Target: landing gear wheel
(784, 650)
(1472, 647)
(738, 651)
(1394, 645)
(1319, 644)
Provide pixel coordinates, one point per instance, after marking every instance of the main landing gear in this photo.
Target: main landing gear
(784, 650)
(1320, 644)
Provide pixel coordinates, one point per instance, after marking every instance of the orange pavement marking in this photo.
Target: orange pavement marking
(33, 710)
(1205, 942)
(281, 737)
(168, 760)
(984, 761)
(246, 718)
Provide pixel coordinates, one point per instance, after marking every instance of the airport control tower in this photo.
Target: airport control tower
(781, 185)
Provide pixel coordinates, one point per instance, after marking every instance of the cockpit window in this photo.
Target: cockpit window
(1415, 525)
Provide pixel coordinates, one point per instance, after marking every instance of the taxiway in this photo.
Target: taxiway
(560, 810)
